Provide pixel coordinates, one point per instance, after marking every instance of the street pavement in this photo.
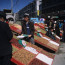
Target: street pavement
(60, 55)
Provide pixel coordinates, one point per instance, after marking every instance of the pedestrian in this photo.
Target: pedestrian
(28, 29)
(5, 37)
(57, 30)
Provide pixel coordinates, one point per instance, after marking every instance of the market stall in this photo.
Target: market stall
(45, 41)
(31, 55)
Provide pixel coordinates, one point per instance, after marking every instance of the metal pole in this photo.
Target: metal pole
(37, 7)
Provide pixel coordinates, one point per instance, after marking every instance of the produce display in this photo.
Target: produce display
(13, 40)
(58, 41)
(23, 56)
(37, 62)
(46, 37)
(15, 29)
(41, 25)
(14, 49)
(15, 43)
(34, 46)
(17, 26)
(45, 43)
(39, 29)
(57, 38)
(41, 50)
(41, 41)
(47, 53)
(27, 55)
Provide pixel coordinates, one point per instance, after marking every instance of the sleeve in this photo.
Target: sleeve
(8, 32)
(22, 32)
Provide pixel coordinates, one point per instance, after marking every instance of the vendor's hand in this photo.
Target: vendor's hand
(29, 35)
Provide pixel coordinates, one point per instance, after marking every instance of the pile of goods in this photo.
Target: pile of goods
(37, 28)
(14, 49)
(16, 28)
(15, 43)
(47, 43)
(23, 56)
(41, 25)
(37, 62)
(31, 55)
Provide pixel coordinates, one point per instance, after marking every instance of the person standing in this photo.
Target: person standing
(50, 33)
(28, 29)
(5, 37)
(57, 30)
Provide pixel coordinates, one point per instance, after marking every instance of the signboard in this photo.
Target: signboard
(34, 20)
(42, 19)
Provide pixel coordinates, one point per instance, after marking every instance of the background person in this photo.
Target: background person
(28, 29)
(50, 33)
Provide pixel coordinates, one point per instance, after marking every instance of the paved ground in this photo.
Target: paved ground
(60, 56)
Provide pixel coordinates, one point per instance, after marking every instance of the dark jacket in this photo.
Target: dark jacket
(49, 34)
(5, 36)
(57, 30)
(52, 25)
(31, 26)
